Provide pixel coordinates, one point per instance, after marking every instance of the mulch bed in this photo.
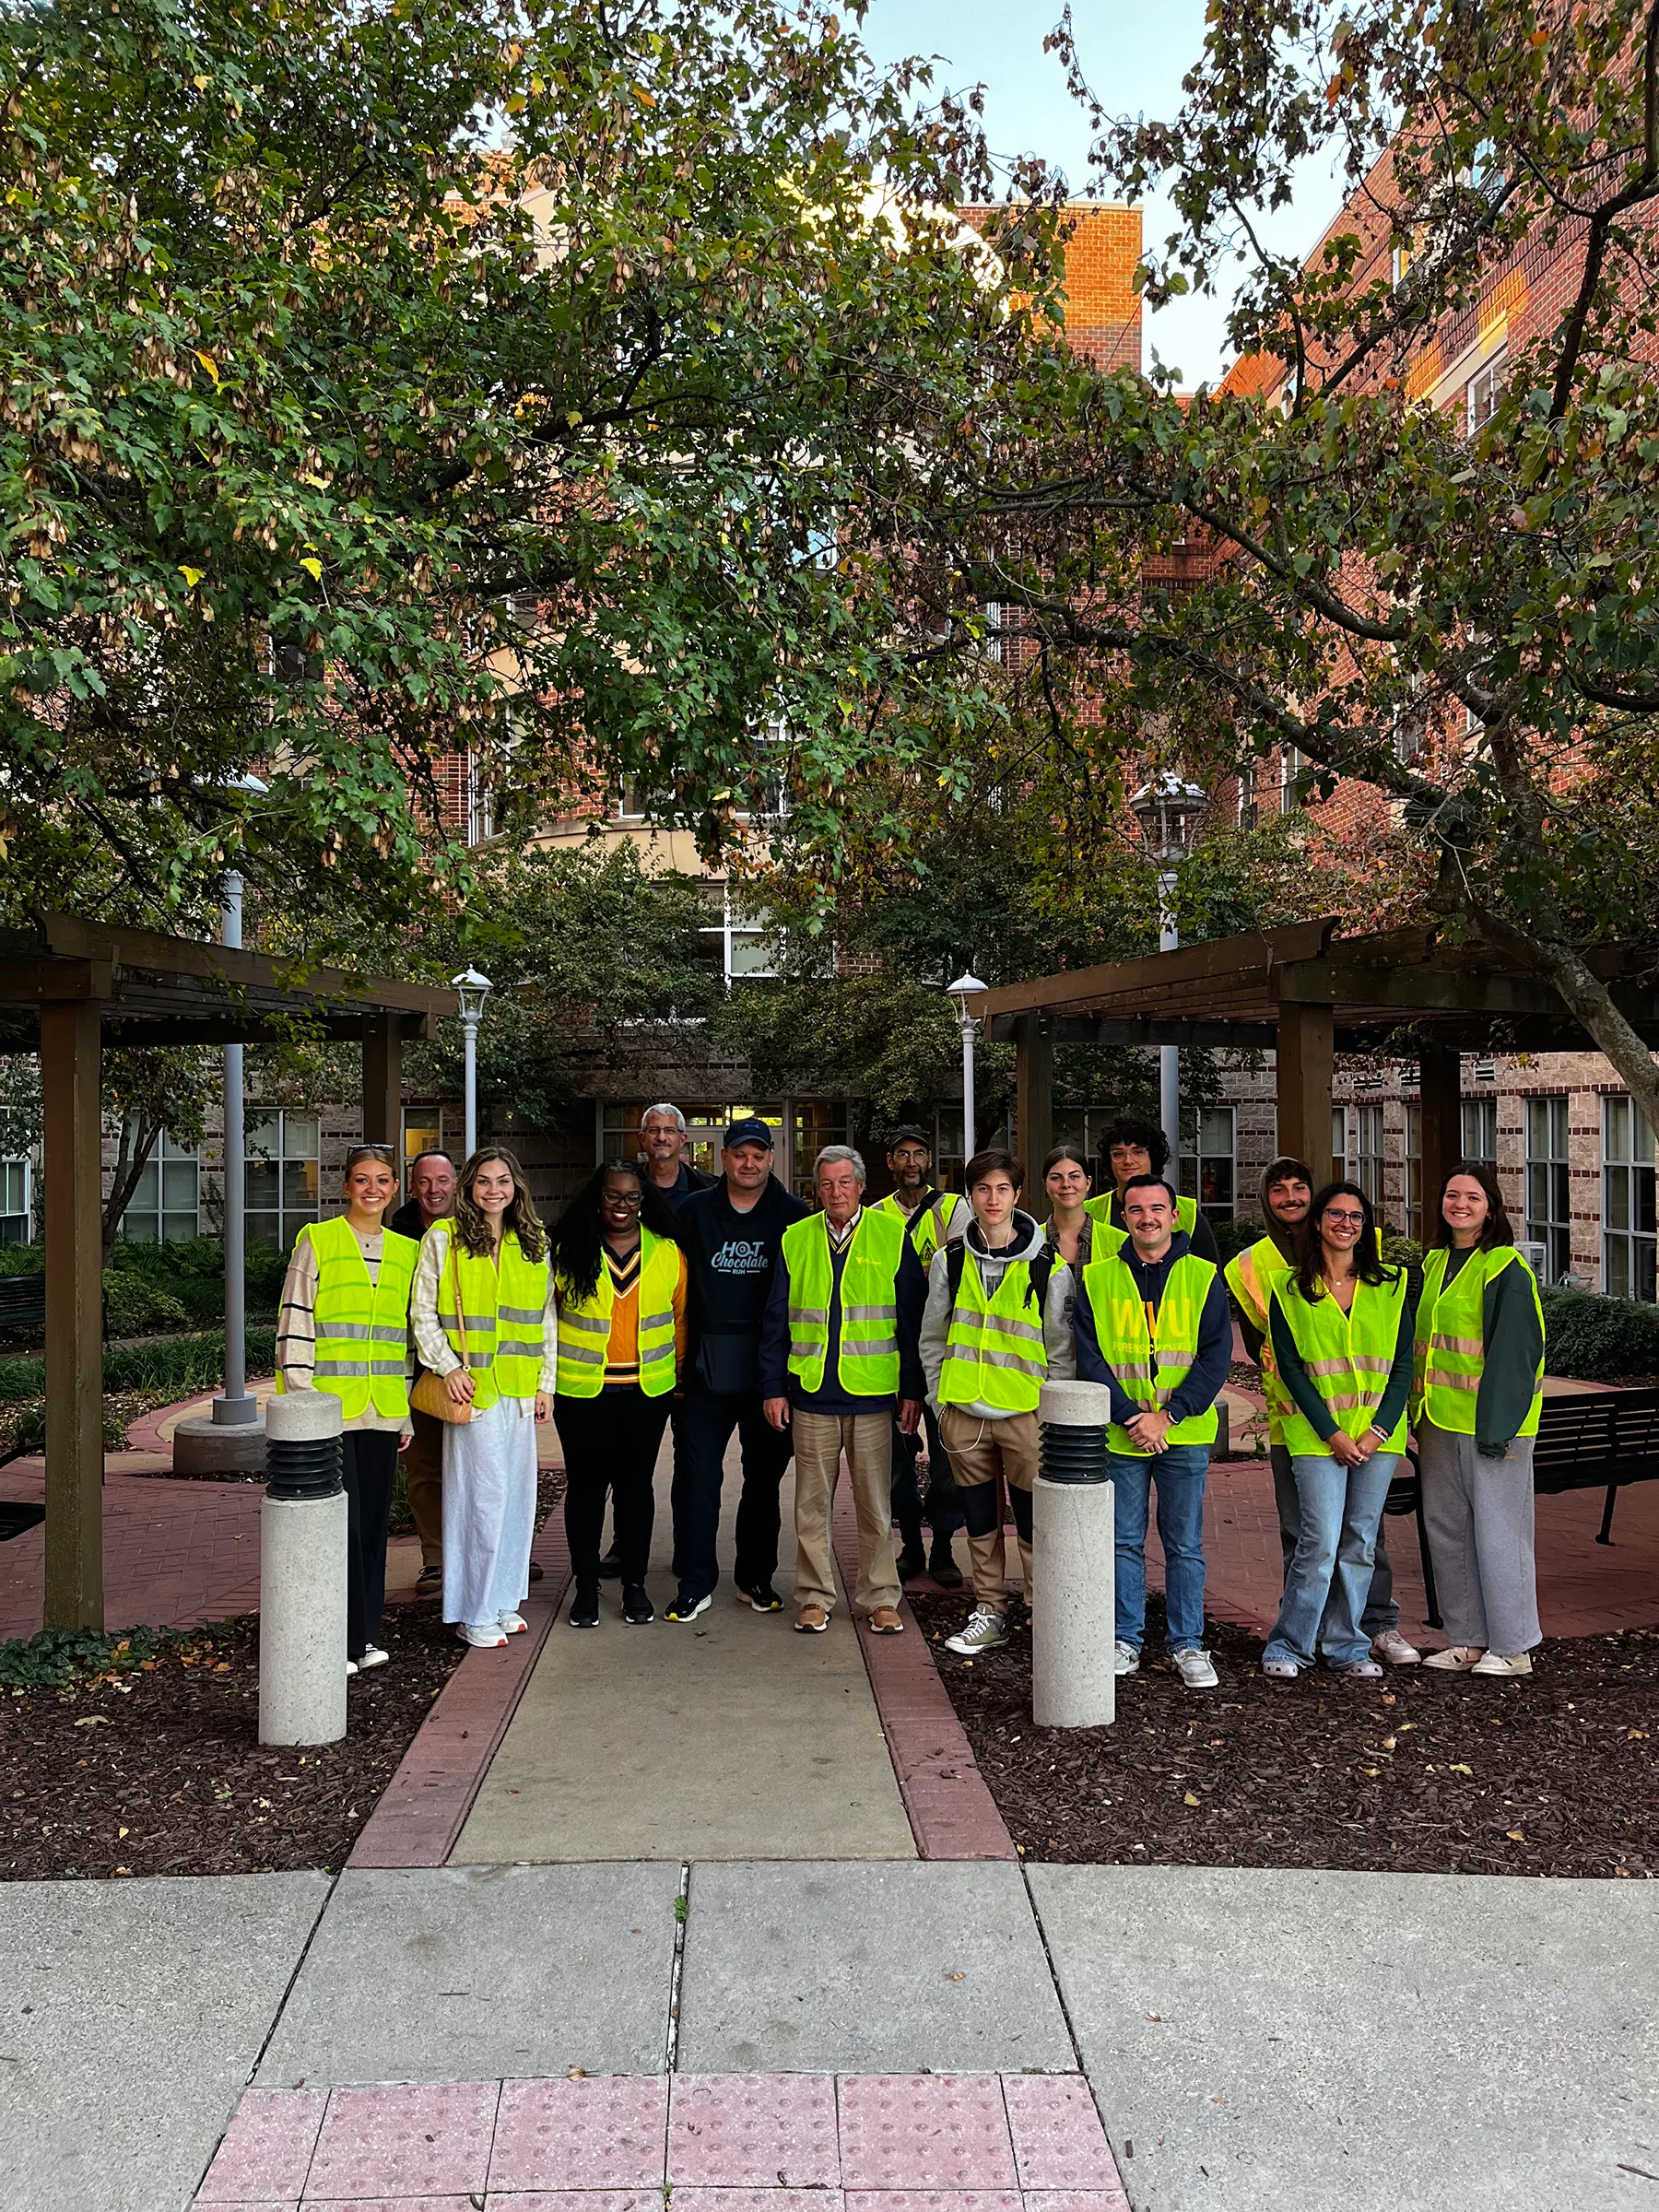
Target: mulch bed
(154, 1767)
(1420, 1772)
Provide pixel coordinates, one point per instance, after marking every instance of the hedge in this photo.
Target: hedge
(180, 1364)
(1596, 1338)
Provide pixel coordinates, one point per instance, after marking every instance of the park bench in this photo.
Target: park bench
(23, 1302)
(1591, 1440)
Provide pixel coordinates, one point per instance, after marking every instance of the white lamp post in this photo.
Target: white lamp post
(1166, 808)
(471, 989)
(966, 988)
(235, 1409)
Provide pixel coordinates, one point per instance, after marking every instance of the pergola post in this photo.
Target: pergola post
(383, 1083)
(70, 1047)
(1439, 1096)
(1305, 1071)
(1033, 1098)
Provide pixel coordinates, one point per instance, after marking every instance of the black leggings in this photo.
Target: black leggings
(610, 1444)
(369, 1464)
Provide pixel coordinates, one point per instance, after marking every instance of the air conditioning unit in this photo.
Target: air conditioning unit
(1534, 1253)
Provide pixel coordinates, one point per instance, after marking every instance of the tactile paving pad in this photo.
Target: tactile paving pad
(926, 2131)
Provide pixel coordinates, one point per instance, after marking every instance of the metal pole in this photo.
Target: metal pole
(470, 1091)
(1169, 1056)
(969, 1146)
(235, 1409)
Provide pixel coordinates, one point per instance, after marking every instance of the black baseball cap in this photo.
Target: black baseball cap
(908, 1132)
(752, 1130)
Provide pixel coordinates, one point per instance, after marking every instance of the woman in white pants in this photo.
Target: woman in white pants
(481, 1309)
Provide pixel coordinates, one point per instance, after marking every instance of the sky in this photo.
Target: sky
(1134, 54)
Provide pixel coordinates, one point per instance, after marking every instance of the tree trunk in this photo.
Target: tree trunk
(1588, 998)
(128, 1169)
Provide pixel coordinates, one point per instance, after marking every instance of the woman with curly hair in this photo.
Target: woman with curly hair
(482, 1299)
(619, 1285)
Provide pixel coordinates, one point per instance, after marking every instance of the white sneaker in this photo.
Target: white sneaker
(484, 1636)
(1393, 1647)
(514, 1623)
(1196, 1668)
(1502, 1663)
(1125, 1659)
(351, 1666)
(373, 1656)
(983, 1632)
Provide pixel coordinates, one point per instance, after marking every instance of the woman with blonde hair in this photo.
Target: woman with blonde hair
(482, 1313)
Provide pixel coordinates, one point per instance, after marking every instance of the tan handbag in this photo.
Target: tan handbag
(430, 1394)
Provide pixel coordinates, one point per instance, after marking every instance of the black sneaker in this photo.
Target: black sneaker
(584, 1608)
(687, 1609)
(637, 1607)
(911, 1561)
(761, 1596)
(610, 1566)
(429, 1579)
(942, 1565)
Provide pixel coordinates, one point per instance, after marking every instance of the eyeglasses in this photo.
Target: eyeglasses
(632, 1200)
(1331, 1214)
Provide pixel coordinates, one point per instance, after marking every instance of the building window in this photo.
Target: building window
(16, 1197)
(1339, 1141)
(1549, 1188)
(1481, 1130)
(1291, 768)
(738, 940)
(166, 1199)
(1485, 392)
(1247, 797)
(422, 1132)
(1207, 1169)
(282, 1187)
(1412, 1220)
(1627, 1201)
(817, 1123)
(1368, 1152)
(1398, 264)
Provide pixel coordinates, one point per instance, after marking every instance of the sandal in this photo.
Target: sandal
(1281, 1670)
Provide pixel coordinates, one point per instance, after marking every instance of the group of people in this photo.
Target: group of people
(910, 1337)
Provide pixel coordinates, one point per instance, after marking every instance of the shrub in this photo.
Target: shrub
(56, 1656)
(1596, 1338)
(180, 1365)
(135, 1305)
(1236, 1235)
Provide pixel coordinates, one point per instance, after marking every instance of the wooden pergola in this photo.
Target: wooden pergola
(1306, 993)
(66, 988)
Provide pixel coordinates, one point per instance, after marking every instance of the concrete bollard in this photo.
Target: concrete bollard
(302, 1573)
(1074, 1563)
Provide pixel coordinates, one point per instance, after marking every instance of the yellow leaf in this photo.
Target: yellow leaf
(1514, 1835)
(1189, 1798)
(94, 1720)
(122, 1831)
(208, 363)
(313, 568)
(191, 576)
(1455, 1769)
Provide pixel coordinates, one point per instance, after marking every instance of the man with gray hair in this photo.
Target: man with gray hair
(663, 1154)
(839, 1345)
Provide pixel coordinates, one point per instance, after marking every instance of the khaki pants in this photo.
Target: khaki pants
(995, 1465)
(423, 1478)
(867, 1441)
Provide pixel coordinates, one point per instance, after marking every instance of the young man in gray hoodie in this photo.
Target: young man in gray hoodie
(996, 1328)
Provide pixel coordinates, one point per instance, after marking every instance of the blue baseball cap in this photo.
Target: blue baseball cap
(752, 1130)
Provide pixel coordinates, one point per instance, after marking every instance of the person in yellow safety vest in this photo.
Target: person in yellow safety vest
(1286, 1194)
(1341, 1331)
(619, 1286)
(344, 1328)
(1152, 1324)
(484, 1280)
(934, 1217)
(1131, 1147)
(838, 1364)
(994, 1329)
(1479, 1390)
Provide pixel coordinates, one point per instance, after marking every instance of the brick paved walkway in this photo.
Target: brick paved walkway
(721, 2143)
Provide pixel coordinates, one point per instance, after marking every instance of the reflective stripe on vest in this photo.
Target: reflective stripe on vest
(867, 1360)
(1347, 1357)
(503, 1308)
(994, 1353)
(362, 1329)
(1251, 1276)
(1451, 1338)
(1151, 1372)
(584, 1325)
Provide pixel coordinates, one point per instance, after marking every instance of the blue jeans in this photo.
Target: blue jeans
(1381, 1609)
(1330, 1577)
(1180, 1471)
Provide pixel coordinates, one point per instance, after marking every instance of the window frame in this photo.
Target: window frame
(1628, 1245)
(148, 1203)
(1552, 1223)
(290, 1219)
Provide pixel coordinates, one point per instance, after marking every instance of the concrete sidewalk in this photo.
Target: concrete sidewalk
(726, 1737)
(1308, 2042)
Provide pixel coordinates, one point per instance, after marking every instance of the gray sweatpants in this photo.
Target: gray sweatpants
(1479, 1517)
(1381, 1610)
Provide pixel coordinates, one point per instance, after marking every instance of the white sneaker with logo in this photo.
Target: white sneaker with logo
(983, 1632)
(1393, 1647)
(1125, 1660)
(1196, 1668)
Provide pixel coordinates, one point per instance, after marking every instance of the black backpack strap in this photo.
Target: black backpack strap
(1042, 1268)
(956, 1254)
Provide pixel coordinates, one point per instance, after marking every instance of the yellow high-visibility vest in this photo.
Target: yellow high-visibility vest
(868, 1300)
(504, 1309)
(1451, 1338)
(1251, 1276)
(1348, 1358)
(1150, 1372)
(930, 1225)
(362, 1327)
(995, 1354)
(584, 1325)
